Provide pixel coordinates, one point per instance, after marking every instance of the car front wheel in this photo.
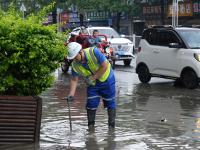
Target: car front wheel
(143, 74)
(190, 79)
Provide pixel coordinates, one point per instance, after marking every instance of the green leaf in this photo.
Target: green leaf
(29, 53)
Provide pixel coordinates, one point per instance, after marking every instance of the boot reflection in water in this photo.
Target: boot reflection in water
(111, 118)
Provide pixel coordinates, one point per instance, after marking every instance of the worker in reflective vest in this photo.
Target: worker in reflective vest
(92, 65)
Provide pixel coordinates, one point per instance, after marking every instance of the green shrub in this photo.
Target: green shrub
(29, 54)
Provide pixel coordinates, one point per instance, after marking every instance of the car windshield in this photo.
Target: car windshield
(110, 33)
(191, 37)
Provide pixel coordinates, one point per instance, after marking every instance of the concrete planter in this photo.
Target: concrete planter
(20, 120)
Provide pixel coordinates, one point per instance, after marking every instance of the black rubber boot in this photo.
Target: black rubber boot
(111, 118)
(91, 119)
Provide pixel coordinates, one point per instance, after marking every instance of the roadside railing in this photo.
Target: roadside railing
(135, 39)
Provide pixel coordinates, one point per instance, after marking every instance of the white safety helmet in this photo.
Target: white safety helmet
(73, 49)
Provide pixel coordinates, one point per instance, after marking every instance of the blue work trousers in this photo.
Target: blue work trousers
(104, 90)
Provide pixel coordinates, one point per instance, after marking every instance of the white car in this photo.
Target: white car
(122, 47)
(169, 52)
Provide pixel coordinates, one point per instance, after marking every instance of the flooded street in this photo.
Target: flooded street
(157, 116)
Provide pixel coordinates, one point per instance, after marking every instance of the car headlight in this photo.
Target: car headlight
(197, 56)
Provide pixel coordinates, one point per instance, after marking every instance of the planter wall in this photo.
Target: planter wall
(20, 120)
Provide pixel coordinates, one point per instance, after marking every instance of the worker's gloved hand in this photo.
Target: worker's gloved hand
(70, 98)
(90, 81)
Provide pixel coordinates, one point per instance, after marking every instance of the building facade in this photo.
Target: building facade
(160, 12)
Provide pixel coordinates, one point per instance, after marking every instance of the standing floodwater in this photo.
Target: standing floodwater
(157, 116)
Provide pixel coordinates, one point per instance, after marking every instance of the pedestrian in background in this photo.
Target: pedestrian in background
(97, 72)
(95, 40)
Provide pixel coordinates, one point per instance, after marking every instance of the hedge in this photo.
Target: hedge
(29, 54)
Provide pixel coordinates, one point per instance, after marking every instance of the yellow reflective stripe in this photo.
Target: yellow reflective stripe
(80, 69)
(93, 57)
(76, 68)
(93, 64)
(106, 74)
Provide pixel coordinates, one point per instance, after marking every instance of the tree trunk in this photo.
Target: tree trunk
(81, 17)
(118, 21)
(54, 15)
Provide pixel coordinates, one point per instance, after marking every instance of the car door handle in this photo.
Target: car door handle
(156, 51)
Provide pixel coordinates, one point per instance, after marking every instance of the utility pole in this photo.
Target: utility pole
(162, 12)
(175, 10)
(23, 9)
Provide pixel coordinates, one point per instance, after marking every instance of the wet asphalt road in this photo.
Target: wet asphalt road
(155, 116)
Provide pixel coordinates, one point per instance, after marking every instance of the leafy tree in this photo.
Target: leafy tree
(29, 53)
(32, 6)
(128, 6)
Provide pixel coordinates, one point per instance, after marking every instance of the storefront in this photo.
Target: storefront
(188, 12)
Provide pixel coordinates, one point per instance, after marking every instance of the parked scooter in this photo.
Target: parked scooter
(108, 52)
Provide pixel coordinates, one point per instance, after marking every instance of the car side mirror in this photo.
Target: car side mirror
(174, 45)
(122, 36)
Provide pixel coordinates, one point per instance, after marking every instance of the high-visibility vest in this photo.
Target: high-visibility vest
(92, 64)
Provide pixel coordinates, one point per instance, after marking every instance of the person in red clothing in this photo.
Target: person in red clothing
(82, 39)
(73, 37)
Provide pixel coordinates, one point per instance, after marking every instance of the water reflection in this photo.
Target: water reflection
(177, 105)
(107, 143)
